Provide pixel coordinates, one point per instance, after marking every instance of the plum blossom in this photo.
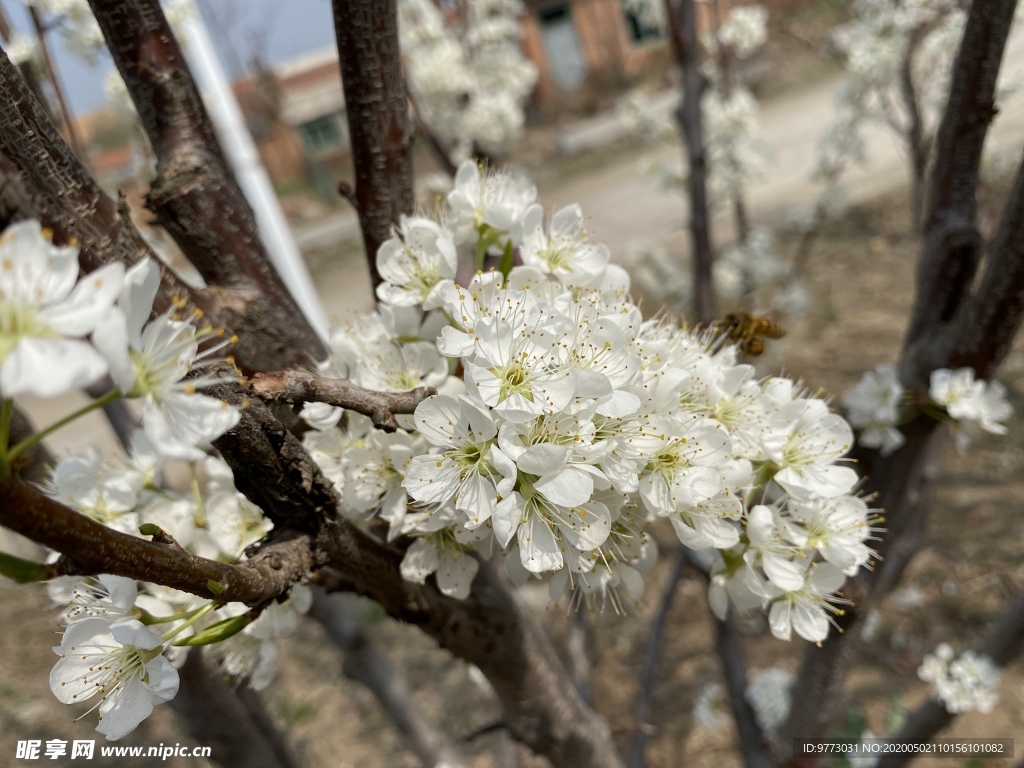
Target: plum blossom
(46, 311)
(121, 662)
(152, 360)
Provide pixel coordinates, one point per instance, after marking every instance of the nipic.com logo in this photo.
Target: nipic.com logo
(85, 749)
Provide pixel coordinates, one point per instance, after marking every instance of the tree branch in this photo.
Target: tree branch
(92, 548)
(991, 317)
(682, 17)
(195, 196)
(305, 387)
(952, 243)
(58, 89)
(40, 177)
(377, 108)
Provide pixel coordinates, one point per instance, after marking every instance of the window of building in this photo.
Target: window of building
(321, 134)
(567, 66)
(639, 28)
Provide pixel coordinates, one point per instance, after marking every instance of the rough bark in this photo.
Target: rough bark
(951, 242)
(683, 22)
(92, 548)
(194, 195)
(377, 108)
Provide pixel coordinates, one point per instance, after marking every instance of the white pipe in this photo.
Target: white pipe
(245, 161)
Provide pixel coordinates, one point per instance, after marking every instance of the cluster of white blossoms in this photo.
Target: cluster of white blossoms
(467, 73)
(62, 331)
(965, 684)
(876, 43)
(567, 423)
(123, 642)
(878, 404)
(770, 693)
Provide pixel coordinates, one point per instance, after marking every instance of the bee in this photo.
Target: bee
(748, 332)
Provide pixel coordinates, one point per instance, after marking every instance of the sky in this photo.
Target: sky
(281, 29)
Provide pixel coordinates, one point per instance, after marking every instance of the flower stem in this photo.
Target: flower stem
(36, 437)
(195, 617)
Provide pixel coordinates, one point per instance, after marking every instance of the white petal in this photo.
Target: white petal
(50, 367)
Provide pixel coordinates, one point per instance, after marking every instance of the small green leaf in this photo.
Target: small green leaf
(214, 586)
(23, 571)
(149, 529)
(222, 630)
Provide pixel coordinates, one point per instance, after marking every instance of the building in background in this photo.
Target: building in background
(296, 114)
(592, 47)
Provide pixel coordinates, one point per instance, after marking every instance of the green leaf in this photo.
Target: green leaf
(149, 529)
(214, 586)
(23, 571)
(222, 630)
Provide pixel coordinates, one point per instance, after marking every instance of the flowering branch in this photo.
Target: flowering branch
(194, 195)
(377, 108)
(90, 547)
(948, 260)
(305, 387)
(1002, 645)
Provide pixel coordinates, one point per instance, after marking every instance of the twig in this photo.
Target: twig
(377, 108)
(648, 676)
(577, 659)
(365, 664)
(305, 387)
(58, 89)
(683, 21)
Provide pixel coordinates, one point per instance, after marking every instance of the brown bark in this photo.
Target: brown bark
(377, 108)
(40, 177)
(194, 195)
(683, 22)
(952, 243)
(93, 548)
